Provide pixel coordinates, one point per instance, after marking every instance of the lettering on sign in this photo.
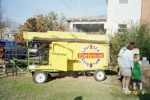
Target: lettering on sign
(90, 56)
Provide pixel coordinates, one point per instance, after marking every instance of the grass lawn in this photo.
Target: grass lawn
(68, 88)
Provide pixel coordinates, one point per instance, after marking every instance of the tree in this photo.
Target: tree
(2, 25)
(3, 21)
(1, 14)
(138, 33)
(42, 23)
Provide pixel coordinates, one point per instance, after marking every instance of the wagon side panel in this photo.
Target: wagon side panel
(87, 56)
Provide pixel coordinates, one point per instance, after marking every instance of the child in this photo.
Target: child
(136, 73)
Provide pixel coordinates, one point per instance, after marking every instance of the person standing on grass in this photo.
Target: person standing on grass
(127, 65)
(120, 62)
(136, 73)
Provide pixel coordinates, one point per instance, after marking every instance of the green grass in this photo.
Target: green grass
(68, 88)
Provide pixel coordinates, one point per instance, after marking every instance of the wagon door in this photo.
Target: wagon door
(58, 56)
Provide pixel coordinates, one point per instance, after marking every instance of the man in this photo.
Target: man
(126, 66)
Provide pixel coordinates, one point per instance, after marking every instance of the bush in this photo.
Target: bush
(138, 33)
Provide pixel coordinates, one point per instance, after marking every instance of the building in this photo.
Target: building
(145, 12)
(90, 25)
(120, 14)
(8, 34)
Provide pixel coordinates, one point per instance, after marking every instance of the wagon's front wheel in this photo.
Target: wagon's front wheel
(40, 77)
(99, 75)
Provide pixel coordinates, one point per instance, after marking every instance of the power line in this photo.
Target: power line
(70, 8)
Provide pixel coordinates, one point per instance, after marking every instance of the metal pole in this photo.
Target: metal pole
(28, 54)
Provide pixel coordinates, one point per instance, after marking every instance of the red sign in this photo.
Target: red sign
(90, 55)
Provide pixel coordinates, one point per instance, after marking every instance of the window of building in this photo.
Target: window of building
(123, 1)
(122, 27)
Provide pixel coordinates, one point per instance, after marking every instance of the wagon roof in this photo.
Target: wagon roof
(70, 40)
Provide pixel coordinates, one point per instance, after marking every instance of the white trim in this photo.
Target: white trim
(88, 23)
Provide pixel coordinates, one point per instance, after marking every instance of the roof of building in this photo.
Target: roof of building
(92, 18)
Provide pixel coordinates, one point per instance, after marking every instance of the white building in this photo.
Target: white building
(119, 15)
(9, 33)
(90, 25)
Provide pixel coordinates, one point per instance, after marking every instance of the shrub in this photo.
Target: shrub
(138, 33)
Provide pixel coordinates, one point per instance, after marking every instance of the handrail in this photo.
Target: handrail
(14, 62)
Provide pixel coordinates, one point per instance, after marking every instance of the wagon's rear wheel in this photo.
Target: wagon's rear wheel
(40, 77)
(99, 75)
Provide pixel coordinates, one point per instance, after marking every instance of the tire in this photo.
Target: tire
(40, 77)
(99, 75)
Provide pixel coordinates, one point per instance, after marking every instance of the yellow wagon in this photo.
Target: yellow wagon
(70, 51)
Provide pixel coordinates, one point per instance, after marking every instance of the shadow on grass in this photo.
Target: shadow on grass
(70, 74)
(62, 75)
(78, 98)
(145, 96)
(77, 74)
(108, 72)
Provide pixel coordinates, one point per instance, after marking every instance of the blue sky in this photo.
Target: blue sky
(19, 10)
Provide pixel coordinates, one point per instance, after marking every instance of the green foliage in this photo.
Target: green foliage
(138, 33)
(114, 47)
(42, 23)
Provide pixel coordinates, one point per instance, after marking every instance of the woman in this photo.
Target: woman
(127, 65)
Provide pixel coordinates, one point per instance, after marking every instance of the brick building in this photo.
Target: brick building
(145, 11)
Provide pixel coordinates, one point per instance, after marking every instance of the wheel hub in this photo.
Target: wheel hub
(100, 75)
(40, 77)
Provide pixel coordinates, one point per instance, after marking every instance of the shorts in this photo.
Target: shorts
(126, 71)
(137, 81)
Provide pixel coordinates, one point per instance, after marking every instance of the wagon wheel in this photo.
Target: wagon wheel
(40, 77)
(99, 75)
